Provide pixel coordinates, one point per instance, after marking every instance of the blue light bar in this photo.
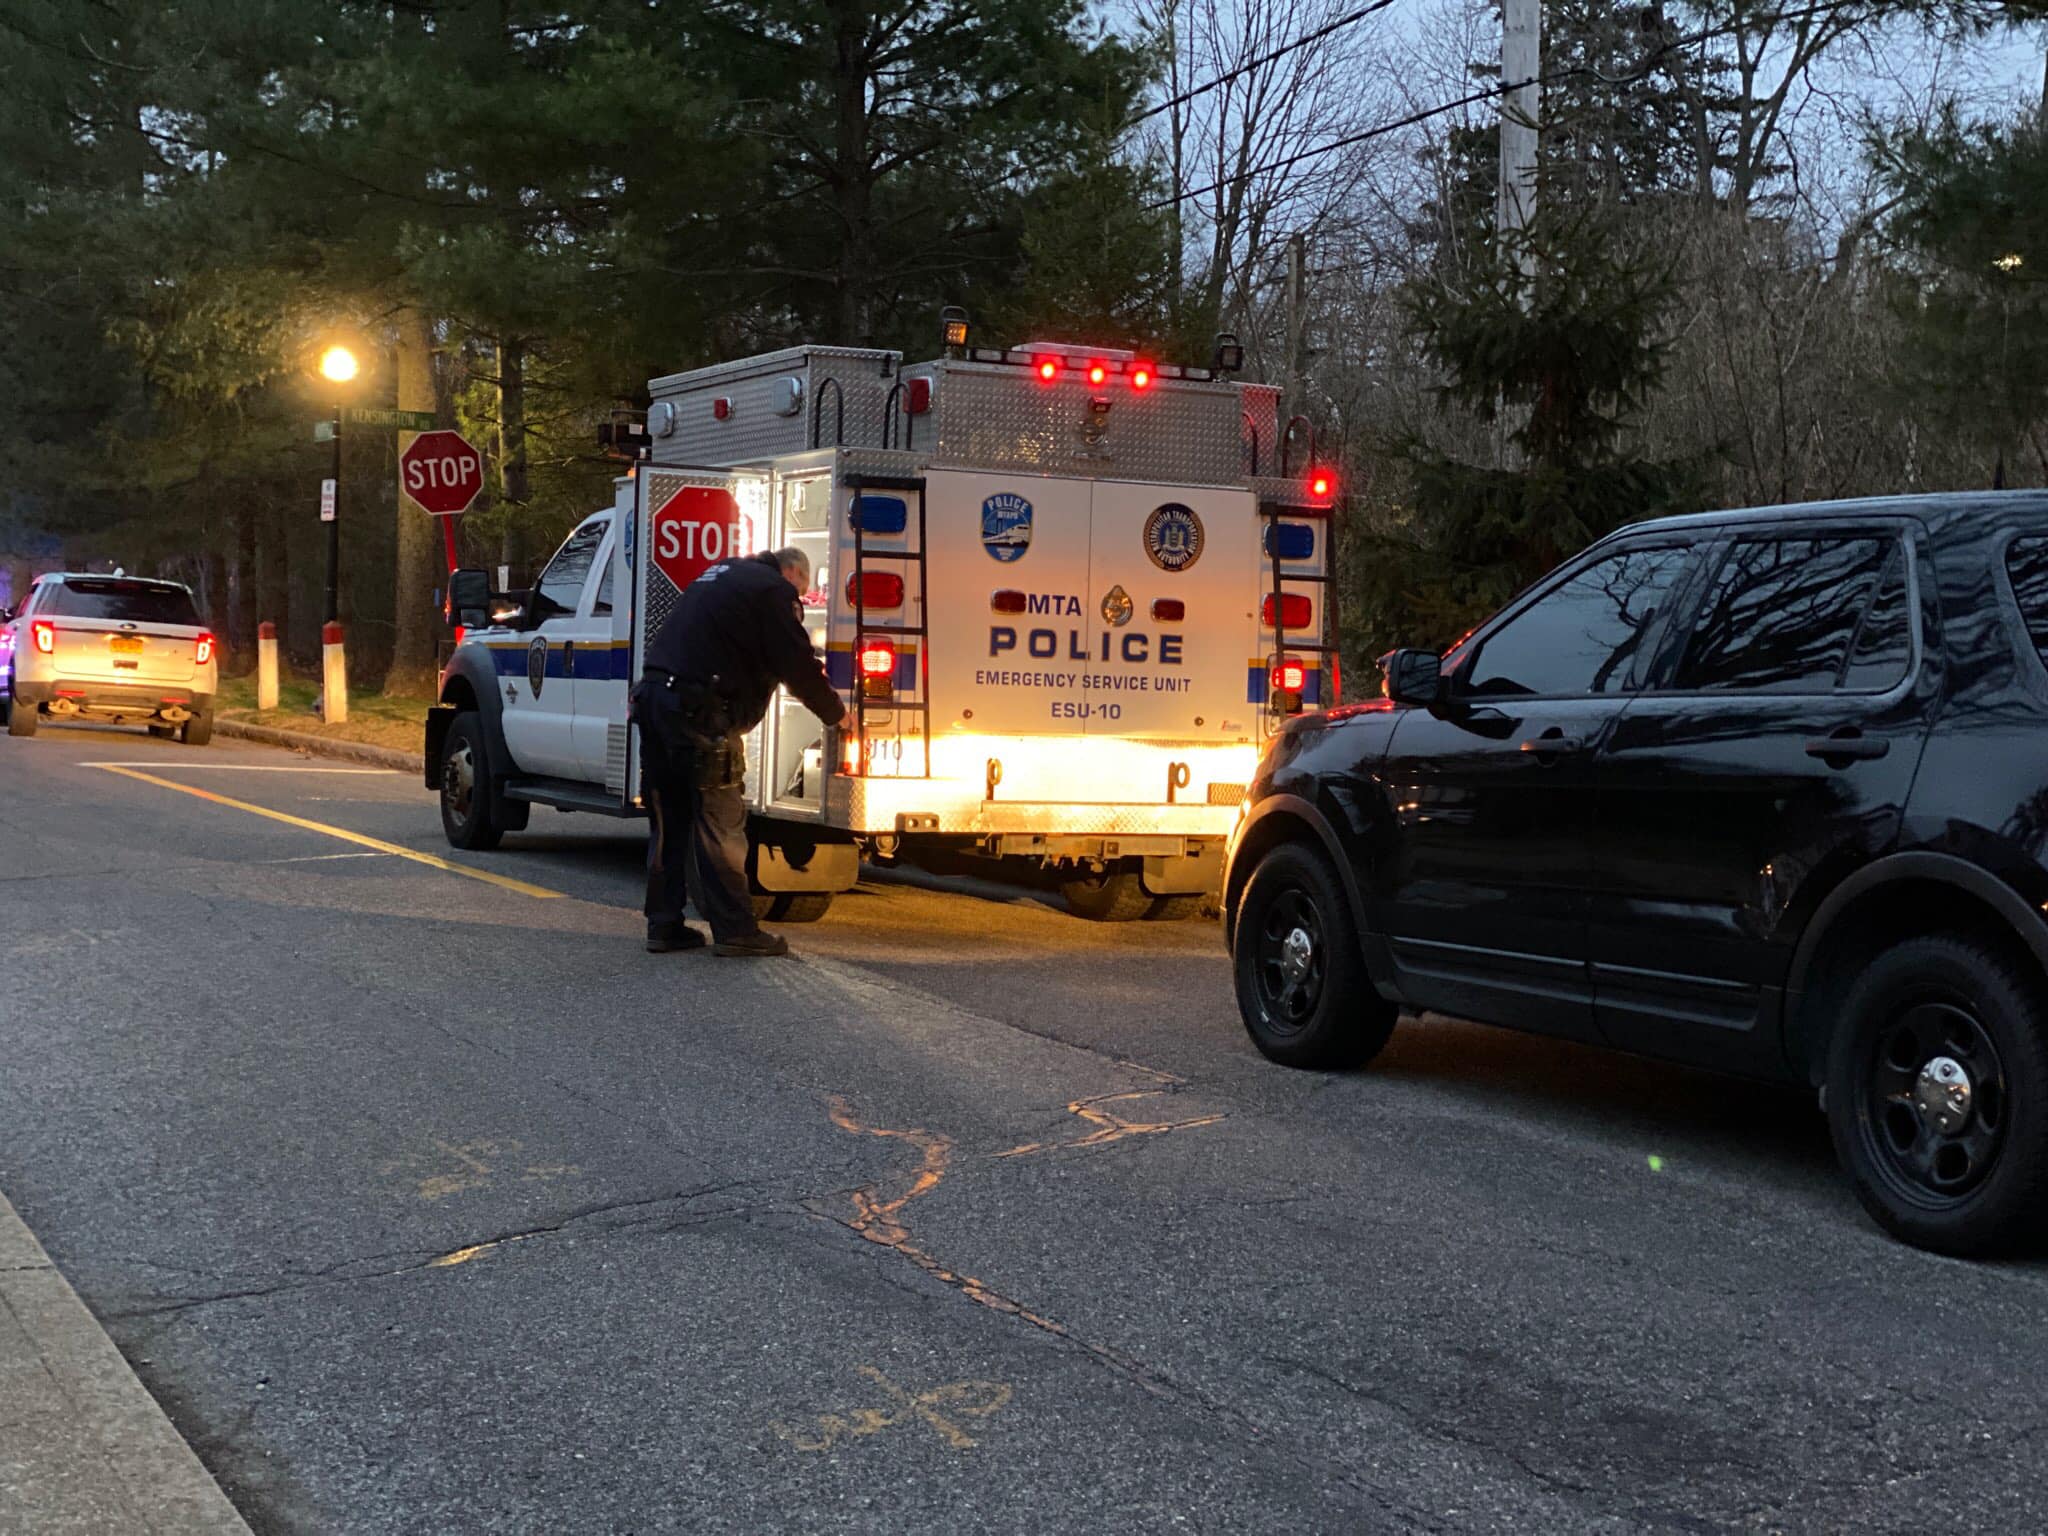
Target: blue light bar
(1290, 541)
(880, 514)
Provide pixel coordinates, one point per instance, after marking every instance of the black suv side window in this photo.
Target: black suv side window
(1801, 616)
(1583, 635)
(2026, 562)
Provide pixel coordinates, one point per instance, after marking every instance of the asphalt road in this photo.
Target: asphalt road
(428, 1203)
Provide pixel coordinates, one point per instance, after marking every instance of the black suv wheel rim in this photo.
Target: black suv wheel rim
(1288, 962)
(1935, 1102)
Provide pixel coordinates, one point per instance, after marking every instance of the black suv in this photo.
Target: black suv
(1764, 791)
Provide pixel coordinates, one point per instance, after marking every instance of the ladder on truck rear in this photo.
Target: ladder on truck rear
(858, 486)
(1280, 517)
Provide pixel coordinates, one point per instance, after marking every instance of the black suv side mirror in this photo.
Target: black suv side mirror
(1413, 676)
(469, 597)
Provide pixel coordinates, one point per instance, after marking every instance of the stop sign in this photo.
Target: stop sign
(695, 529)
(441, 472)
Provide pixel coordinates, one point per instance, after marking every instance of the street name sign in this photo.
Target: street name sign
(404, 421)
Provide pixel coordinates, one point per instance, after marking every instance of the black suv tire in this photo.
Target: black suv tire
(468, 793)
(1301, 981)
(1937, 1092)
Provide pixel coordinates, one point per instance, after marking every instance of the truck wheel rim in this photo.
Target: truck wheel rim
(1935, 1106)
(458, 781)
(1289, 962)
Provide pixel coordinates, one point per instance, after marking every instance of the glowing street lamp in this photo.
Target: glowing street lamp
(338, 364)
(2011, 261)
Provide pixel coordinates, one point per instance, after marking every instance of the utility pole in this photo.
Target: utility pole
(1521, 62)
(1290, 393)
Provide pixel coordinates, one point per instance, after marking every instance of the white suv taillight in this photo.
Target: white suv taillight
(44, 636)
(202, 653)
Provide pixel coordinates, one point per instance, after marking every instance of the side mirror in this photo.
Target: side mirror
(1413, 677)
(512, 610)
(469, 597)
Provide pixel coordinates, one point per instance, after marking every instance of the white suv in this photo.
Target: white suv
(112, 648)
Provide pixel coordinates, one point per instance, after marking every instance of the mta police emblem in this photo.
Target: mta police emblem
(1117, 607)
(1006, 526)
(1173, 537)
(537, 665)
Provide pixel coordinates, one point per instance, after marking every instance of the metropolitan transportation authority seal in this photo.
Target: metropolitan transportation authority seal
(1173, 536)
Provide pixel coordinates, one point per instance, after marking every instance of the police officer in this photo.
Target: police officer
(736, 633)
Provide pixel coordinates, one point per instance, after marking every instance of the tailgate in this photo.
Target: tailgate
(124, 652)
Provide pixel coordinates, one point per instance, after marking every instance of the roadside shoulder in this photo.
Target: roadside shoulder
(85, 1447)
(324, 746)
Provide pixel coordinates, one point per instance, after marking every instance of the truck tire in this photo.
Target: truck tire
(468, 794)
(21, 719)
(1301, 983)
(197, 731)
(1113, 896)
(1937, 1096)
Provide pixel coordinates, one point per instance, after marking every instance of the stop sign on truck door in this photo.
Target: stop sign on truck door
(441, 472)
(695, 529)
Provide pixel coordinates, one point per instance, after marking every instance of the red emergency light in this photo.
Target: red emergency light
(1141, 375)
(874, 589)
(1289, 676)
(877, 662)
(1322, 485)
(202, 651)
(917, 396)
(1295, 610)
(1097, 372)
(1048, 368)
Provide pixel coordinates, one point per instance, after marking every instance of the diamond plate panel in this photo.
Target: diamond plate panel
(752, 431)
(991, 416)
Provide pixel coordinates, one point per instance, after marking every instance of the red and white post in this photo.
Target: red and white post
(266, 665)
(333, 676)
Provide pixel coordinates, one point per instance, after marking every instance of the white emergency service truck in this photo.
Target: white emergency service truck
(1066, 593)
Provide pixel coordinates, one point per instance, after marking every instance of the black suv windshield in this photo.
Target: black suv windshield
(120, 602)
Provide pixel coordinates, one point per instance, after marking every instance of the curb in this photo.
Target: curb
(414, 763)
(91, 1449)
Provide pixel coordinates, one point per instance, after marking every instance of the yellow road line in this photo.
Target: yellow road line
(343, 833)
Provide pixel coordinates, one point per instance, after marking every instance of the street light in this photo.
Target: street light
(338, 364)
(338, 367)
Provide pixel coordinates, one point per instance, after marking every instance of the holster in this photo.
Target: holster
(696, 728)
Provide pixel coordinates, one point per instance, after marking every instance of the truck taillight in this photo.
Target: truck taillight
(202, 651)
(1295, 610)
(1289, 676)
(44, 637)
(877, 661)
(874, 589)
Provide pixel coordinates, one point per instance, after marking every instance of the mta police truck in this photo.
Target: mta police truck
(1065, 592)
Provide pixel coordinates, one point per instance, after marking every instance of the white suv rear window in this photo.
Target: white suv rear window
(119, 602)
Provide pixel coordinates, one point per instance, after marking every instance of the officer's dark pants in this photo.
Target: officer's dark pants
(696, 837)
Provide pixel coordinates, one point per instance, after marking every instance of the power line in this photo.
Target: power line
(1380, 130)
(1263, 59)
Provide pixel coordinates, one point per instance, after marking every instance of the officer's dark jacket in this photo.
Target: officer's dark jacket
(737, 630)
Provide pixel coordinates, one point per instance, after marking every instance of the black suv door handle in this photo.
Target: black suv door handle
(1554, 743)
(1849, 745)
